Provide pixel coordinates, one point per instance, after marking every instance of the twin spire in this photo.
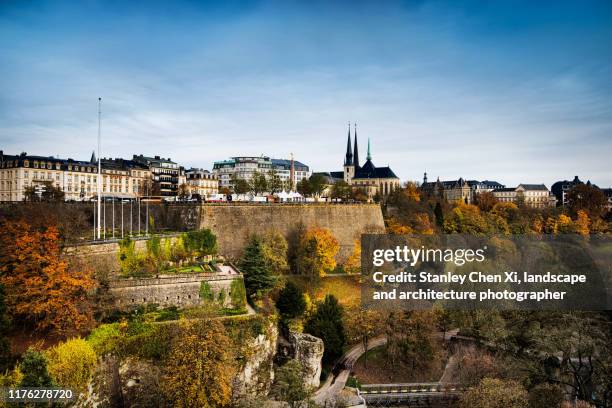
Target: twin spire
(352, 159)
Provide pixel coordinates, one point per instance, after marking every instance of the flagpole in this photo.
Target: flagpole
(99, 164)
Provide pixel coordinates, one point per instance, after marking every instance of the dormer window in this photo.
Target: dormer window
(26, 163)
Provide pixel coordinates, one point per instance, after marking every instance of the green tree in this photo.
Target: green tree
(317, 184)
(275, 184)
(303, 187)
(46, 192)
(258, 279)
(291, 302)
(326, 323)
(258, 183)
(290, 386)
(342, 190)
(33, 366)
(239, 185)
(439, 215)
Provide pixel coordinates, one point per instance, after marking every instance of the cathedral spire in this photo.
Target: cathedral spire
(348, 159)
(356, 150)
(369, 156)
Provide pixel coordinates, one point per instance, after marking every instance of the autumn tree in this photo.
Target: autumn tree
(274, 247)
(5, 348)
(362, 325)
(587, 198)
(316, 252)
(485, 200)
(410, 339)
(201, 366)
(183, 191)
(353, 263)
(71, 363)
(326, 323)
(258, 278)
(465, 219)
(41, 288)
(494, 393)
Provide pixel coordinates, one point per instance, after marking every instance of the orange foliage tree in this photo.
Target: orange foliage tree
(40, 288)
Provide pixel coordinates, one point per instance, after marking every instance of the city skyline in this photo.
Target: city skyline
(512, 92)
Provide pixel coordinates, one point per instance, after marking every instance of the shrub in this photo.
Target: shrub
(33, 366)
(104, 339)
(71, 363)
(238, 294)
(206, 292)
(546, 396)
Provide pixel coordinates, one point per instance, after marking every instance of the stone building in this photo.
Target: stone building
(530, 195)
(166, 175)
(244, 167)
(458, 190)
(77, 179)
(201, 182)
(375, 181)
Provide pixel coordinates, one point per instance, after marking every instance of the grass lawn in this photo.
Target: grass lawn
(380, 371)
(346, 289)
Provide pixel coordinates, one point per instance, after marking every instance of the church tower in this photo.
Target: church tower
(349, 167)
(356, 149)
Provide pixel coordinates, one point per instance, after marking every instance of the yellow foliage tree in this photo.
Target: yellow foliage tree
(564, 224)
(550, 227)
(317, 251)
(353, 263)
(582, 223)
(200, 367)
(71, 363)
(411, 191)
(274, 247)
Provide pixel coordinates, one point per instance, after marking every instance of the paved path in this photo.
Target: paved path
(337, 379)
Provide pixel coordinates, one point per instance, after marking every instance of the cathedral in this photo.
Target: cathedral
(373, 180)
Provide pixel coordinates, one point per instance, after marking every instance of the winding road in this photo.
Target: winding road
(337, 379)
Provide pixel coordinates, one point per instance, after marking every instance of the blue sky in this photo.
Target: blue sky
(510, 91)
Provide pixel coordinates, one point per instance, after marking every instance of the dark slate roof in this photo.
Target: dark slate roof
(287, 164)
(506, 189)
(533, 187)
(331, 177)
(368, 170)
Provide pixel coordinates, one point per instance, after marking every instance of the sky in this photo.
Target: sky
(517, 92)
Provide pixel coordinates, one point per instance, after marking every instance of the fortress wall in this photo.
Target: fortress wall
(179, 290)
(234, 224)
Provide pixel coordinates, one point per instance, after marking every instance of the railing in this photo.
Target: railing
(409, 388)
